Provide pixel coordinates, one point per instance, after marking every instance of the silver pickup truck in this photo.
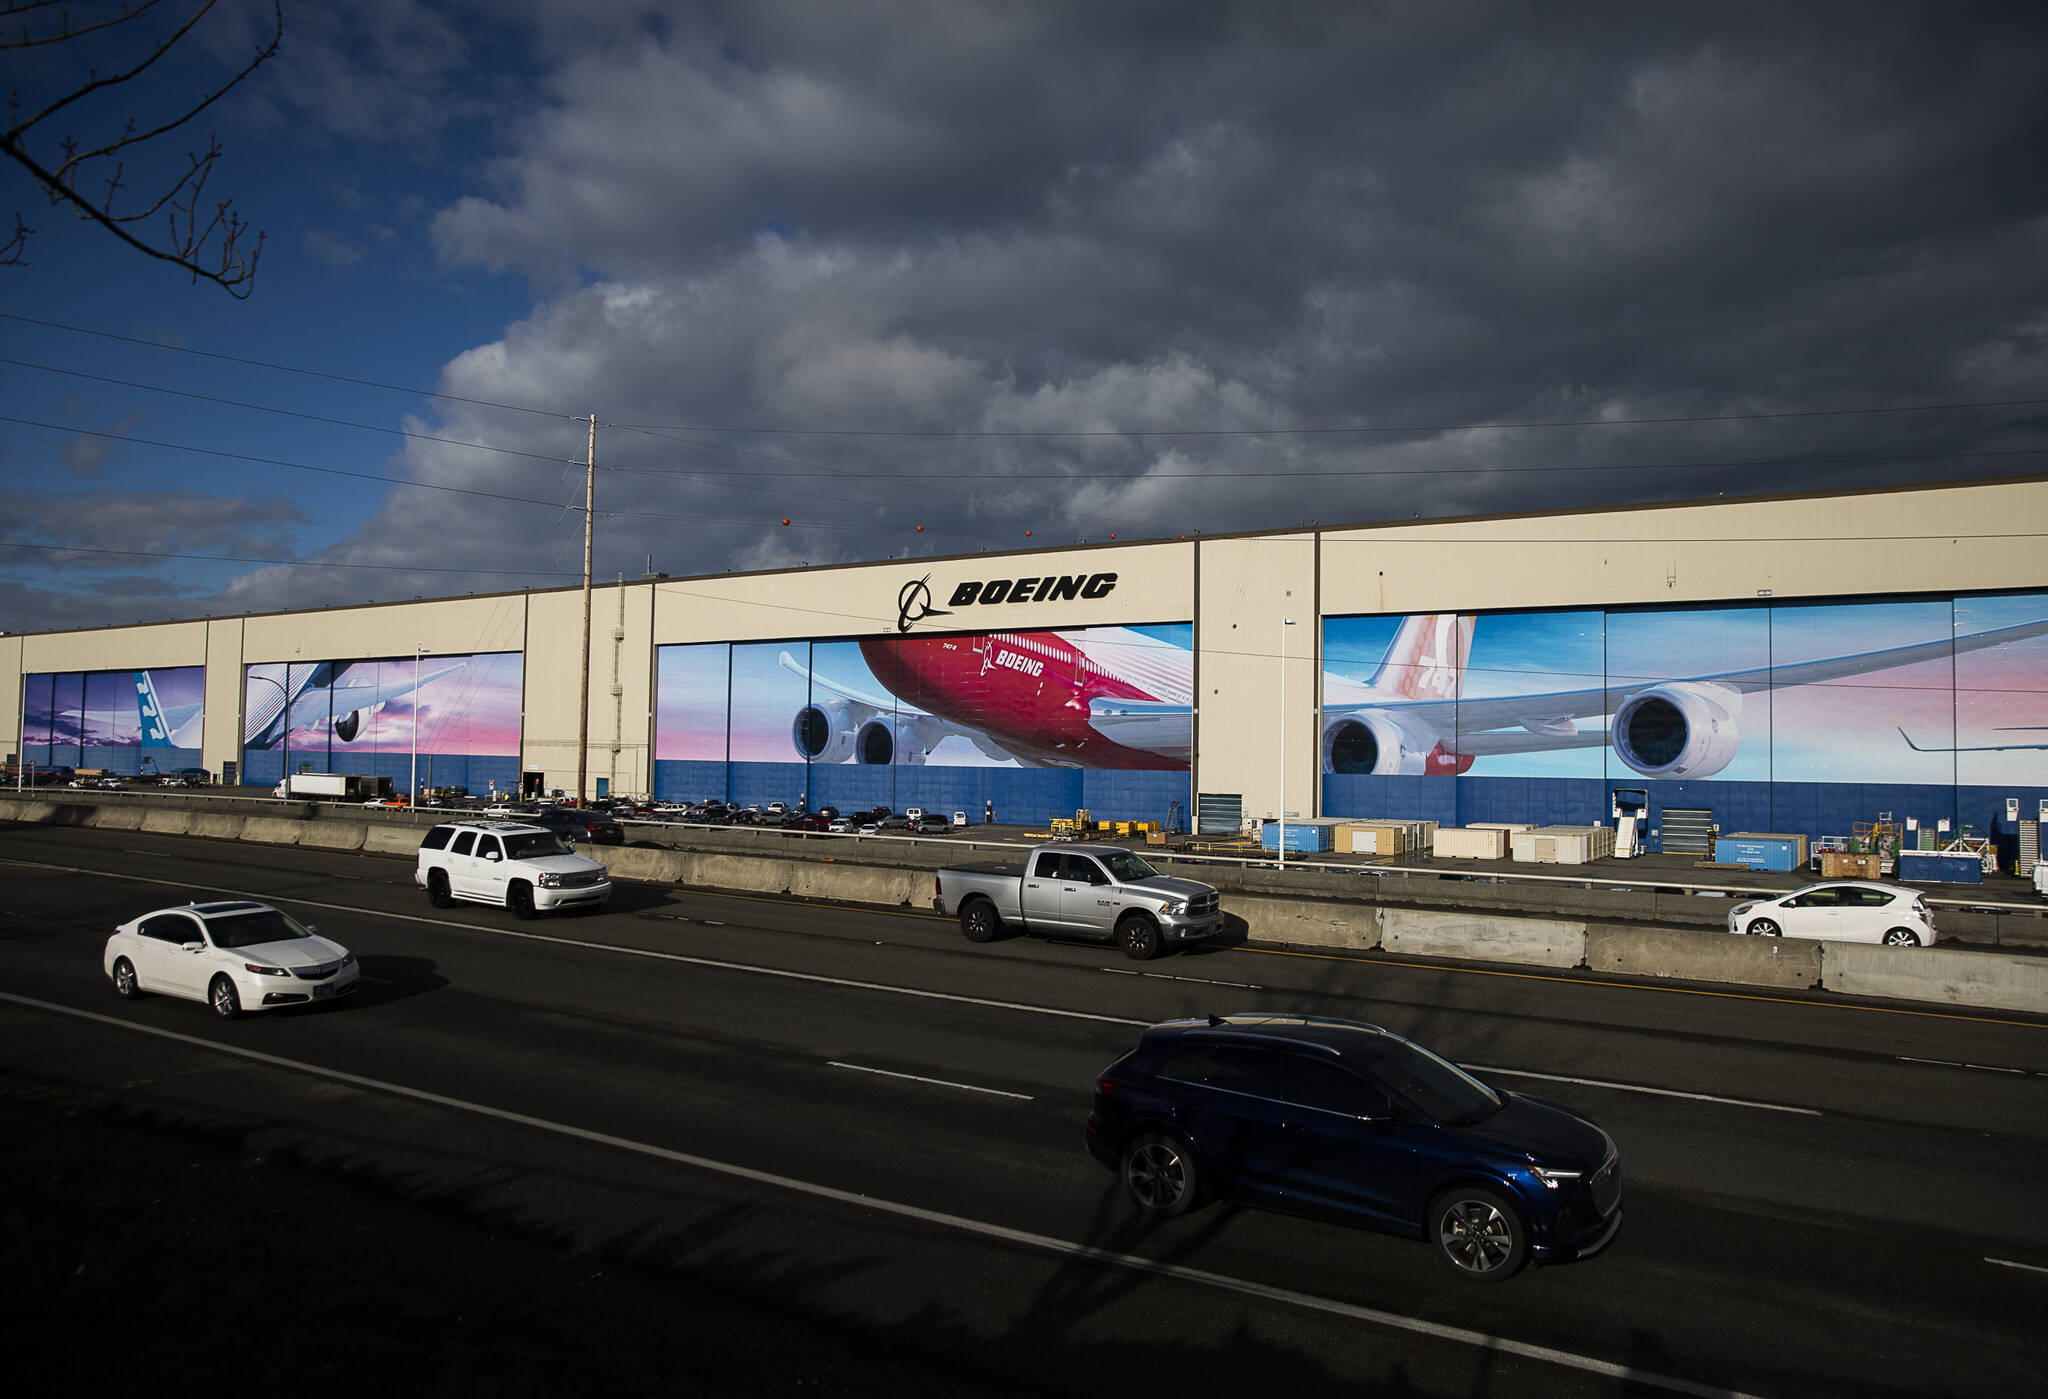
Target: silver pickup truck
(1100, 892)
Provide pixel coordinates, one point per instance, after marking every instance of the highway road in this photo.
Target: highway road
(856, 1119)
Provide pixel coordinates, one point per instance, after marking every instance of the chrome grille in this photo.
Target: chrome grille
(1606, 1186)
(581, 881)
(319, 973)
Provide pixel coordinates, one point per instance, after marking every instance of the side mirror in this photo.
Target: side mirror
(195, 947)
(493, 856)
(311, 927)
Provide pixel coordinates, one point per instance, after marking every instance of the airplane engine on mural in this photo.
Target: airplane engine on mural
(1679, 729)
(827, 733)
(1379, 745)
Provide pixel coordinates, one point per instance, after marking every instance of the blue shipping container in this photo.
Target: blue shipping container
(1302, 836)
(1925, 868)
(1779, 853)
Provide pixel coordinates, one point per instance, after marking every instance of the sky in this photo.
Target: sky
(1071, 269)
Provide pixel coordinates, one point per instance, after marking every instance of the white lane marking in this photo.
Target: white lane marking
(1959, 1064)
(935, 1082)
(1641, 1088)
(1167, 976)
(1039, 1243)
(2008, 1263)
(646, 952)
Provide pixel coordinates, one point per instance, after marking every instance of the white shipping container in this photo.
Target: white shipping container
(1371, 838)
(1562, 845)
(1500, 826)
(1471, 843)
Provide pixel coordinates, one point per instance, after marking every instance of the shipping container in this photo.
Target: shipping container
(1562, 845)
(1762, 850)
(1471, 843)
(1931, 867)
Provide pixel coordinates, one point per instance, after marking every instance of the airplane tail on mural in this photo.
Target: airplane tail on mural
(162, 727)
(1427, 657)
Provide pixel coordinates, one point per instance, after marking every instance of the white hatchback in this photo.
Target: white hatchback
(235, 956)
(1840, 911)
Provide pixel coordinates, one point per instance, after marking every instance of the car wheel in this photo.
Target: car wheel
(1901, 937)
(519, 898)
(1478, 1235)
(979, 920)
(1138, 936)
(125, 985)
(437, 890)
(1762, 928)
(1161, 1176)
(223, 998)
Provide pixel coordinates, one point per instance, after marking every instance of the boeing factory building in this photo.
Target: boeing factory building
(1791, 663)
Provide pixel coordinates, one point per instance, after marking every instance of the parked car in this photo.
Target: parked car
(842, 825)
(596, 827)
(933, 823)
(526, 867)
(1840, 910)
(235, 956)
(1347, 1122)
(830, 813)
(895, 821)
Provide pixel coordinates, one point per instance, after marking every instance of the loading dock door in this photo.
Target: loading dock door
(1219, 813)
(1688, 831)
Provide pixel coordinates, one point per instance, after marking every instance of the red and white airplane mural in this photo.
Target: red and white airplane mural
(1104, 697)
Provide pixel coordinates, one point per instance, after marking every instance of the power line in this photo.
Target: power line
(1279, 474)
(289, 563)
(281, 412)
(287, 368)
(275, 461)
(1335, 431)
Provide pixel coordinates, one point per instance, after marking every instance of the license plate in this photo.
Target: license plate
(324, 989)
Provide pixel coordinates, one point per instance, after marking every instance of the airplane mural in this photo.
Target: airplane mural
(1411, 718)
(345, 690)
(1100, 697)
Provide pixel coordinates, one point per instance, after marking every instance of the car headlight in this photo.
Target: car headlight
(1739, 910)
(262, 970)
(1174, 906)
(1553, 1179)
(348, 959)
(551, 881)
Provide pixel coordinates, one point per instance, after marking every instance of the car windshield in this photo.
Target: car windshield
(258, 925)
(1440, 1088)
(535, 845)
(1126, 868)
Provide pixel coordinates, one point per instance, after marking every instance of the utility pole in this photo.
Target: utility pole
(583, 694)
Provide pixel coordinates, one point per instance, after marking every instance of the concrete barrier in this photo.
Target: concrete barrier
(167, 823)
(217, 825)
(878, 885)
(270, 830)
(630, 862)
(1307, 922)
(1989, 980)
(1480, 937)
(741, 873)
(1686, 955)
(331, 835)
(39, 813)
(115, 818)
(392, 840)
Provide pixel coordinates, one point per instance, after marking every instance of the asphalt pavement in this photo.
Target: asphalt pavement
(807, 1146)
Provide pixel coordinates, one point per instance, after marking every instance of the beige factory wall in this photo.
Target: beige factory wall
(445, 627)
(1153, 584)
(221, 740)
(11, 671)
(548, 744)
(116, 648)
(1919, 540)
(1248, 587)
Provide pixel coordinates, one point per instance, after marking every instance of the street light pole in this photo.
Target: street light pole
(412, 793)
(1285, 623)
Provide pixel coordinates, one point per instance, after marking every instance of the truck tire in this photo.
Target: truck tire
(519, 898)
(979, 920)
(437, 889)
(1138, 936)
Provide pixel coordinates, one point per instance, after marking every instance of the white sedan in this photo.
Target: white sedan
(234, 956)
(1840, 911)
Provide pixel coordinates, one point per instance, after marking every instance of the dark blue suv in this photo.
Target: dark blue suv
(1337, 1120)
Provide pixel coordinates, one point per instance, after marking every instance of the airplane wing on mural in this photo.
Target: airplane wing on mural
(1153, 726)
(1981, 748)
(872, 730)
(350, 690)
(1404, 720)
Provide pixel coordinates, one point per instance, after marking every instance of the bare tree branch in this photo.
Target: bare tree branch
(209, 245)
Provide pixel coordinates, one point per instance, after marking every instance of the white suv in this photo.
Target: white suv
(528, 869)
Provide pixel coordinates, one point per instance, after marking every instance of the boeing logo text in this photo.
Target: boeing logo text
(1054, 589)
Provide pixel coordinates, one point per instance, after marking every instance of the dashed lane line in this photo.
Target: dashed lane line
(1016, 1238)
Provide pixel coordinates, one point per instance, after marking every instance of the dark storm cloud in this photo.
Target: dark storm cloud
(1147, 219)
